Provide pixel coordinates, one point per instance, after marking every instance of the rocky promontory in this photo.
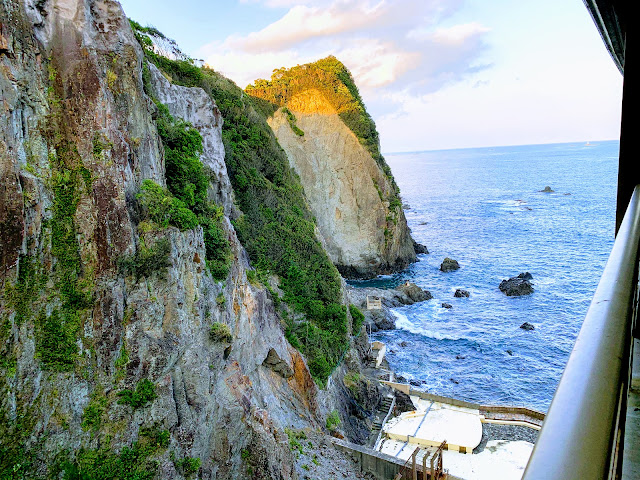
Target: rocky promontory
(350, 188)
(383, 319)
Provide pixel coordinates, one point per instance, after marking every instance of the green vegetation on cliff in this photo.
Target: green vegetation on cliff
(335, 82)
(184, 203)
(276, 228)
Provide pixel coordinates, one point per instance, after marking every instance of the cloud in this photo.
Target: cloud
(390, 46)
(454, 36)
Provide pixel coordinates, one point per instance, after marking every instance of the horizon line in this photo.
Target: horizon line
(593, 142)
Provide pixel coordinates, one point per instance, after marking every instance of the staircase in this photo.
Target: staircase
(381, 414)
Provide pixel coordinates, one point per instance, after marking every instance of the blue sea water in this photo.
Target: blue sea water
(483, 207)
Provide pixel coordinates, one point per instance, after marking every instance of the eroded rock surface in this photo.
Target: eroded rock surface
(345, 187)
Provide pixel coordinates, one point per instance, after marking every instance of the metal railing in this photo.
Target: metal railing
(583, 432)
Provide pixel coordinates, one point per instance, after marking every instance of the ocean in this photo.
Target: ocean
(484, 207)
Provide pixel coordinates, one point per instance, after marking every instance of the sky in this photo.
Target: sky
(434, 74)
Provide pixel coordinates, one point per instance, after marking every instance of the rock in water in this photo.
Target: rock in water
(419, 248)
(446, 305)
(527, 326)
(414, 292)
(460, 293)
(547, 189)
(449, 265)
(517, 286)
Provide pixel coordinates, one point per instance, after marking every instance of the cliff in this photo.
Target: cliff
(137, 338)
(333, 145)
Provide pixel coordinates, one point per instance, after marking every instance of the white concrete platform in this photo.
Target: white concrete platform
(433, 422)
(500, 460)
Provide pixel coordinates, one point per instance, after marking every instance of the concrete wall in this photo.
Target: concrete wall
(382, 466)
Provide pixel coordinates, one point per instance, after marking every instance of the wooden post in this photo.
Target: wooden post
(413, 464)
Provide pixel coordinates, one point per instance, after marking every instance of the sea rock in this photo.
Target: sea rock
(517, 286)
(460, 357)
(510, 352)
(527, 326)
(414, 292)
(547, 189)
(449, 265)
(406, 294)
(381, 319)
(460, 293)
(404, 343)
(419, 248)
(446, 305)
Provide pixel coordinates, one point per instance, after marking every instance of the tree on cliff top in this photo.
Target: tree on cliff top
(335, 82)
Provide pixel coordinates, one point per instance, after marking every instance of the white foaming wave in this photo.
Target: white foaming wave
(403, 323)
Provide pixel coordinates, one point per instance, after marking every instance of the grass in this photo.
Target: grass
(220, 332)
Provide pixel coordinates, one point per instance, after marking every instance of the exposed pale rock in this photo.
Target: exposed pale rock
(344, 186)
(193, 105)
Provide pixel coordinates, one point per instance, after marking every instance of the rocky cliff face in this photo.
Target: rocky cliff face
(346, 188)
(165, 372)
(331, 141)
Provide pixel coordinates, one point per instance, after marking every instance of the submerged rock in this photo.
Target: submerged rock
(446, 305)
(517, 286)
(547, 189)
(527, 326)
(460, 293)
(449, 265)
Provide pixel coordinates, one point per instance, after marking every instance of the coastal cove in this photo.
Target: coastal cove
(484, 207)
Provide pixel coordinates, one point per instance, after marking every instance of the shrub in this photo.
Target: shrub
(131, 463)
(164, 209)
(144, 393)
(357, 318)
(333, 420)
(189, 465)
(291, 118)
(146, 261)
(220, 333)
(56, 339)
